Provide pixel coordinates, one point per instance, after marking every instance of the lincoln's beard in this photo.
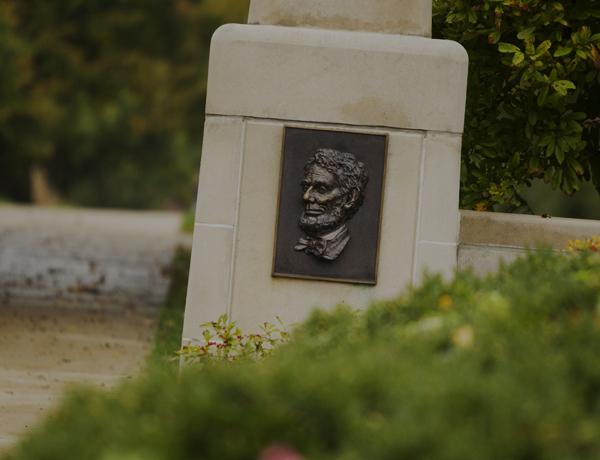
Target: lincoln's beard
(323, 223)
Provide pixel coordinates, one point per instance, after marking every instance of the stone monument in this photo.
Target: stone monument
(331, 159)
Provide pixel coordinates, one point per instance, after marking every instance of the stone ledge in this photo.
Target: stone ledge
(327, 76)
(520, 231)
(409, 17)
(85, 258)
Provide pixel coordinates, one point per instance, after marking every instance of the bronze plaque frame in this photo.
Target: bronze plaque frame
(357, 262)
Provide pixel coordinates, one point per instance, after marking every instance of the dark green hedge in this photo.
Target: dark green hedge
(534, 92)
(501, 368)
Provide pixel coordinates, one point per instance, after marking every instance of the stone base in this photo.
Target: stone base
(265, 78)
(235, 231)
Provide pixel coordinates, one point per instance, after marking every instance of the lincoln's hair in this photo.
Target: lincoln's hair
(350, 173)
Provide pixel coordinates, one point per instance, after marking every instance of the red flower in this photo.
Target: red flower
(279, 453)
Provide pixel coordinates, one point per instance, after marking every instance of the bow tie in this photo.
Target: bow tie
(310, 245)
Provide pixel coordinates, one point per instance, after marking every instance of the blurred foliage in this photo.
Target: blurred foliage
(589, 244)
(505, 367)
(534, 94)
(107, 96)
(583, 204)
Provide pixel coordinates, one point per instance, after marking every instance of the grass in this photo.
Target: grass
(187, 224)
(4, 201)
(170, 326)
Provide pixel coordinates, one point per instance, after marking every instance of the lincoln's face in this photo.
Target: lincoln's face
(325, 203)
(320, 191)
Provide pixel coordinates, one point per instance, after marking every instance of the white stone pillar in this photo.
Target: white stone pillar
(359, 66)
(407, 17)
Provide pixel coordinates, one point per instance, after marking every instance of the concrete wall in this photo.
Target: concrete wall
(85, 258)
(487, 238)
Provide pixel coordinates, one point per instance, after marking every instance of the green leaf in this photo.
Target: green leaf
(576, 165)
(544, 46)
(559, 154)
(529, 48)
(562, 86)
(526, 33)
(494, 37)
(508, 48)
(541, 100)
(532, 118)
(550, 148)
(563, 51)
(586, 33)
(546, 140)
(518, 58)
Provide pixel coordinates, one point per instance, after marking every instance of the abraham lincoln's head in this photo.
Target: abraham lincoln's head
(334, 184)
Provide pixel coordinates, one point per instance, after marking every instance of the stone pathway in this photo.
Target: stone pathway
(79, 297)
(43, 350)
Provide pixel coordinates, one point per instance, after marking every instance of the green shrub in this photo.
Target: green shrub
(500, 368)
(223, 340)
(534, 91)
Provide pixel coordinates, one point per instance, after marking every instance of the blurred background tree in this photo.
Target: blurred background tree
(102, 101)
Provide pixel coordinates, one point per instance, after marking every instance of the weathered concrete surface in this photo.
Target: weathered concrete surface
(43, 350)
(410, 17)
(487, 238)
(85, 258)
(519, 230)
(336, 76)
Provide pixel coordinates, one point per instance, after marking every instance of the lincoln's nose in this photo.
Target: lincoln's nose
(308, 196)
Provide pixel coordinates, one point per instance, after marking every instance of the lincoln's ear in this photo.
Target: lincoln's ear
(354, 194)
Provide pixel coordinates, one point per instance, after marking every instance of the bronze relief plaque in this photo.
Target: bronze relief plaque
(330, 202)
